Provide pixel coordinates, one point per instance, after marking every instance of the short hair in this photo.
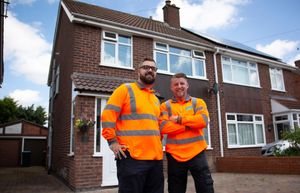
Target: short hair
(147, 59)
(179, 75)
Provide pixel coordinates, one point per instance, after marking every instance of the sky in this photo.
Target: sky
(270, 26)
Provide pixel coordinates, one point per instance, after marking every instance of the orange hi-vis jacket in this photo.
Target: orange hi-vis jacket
(184, 144)
(131, 119)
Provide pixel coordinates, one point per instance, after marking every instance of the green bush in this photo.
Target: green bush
(294, 138)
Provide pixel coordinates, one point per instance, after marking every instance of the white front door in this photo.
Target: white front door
(109, 169)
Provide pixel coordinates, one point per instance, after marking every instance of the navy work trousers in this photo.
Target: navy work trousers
(178, 172)
(140, 176)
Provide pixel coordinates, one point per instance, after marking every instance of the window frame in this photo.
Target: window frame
(253, 122)
(276, 72)
(232, 64)
(103, 100)
(116, 43)
(168, 54)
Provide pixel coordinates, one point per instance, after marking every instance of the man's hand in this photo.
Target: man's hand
(173, 118)
(118, 150)
(176, 119)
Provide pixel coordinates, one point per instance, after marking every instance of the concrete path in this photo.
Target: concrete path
(36, 180)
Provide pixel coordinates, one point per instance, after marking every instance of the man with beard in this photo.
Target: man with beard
(185, 149)
(130, 125)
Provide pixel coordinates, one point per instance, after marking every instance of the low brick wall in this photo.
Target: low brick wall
(263, 165)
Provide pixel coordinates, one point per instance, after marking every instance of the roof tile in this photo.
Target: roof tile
(80, 9)
(97, 83)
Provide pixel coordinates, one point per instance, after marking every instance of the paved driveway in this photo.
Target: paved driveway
(36, 180)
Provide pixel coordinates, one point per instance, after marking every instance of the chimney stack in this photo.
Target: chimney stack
(171, 14)
(297, 63)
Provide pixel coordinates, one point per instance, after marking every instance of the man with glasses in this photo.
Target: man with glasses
(130, 125)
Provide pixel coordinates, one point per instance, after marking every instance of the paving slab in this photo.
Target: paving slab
(36, 180)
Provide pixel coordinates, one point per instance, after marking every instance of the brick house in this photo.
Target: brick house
(251, 96)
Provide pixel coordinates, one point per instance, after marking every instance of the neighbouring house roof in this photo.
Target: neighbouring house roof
(237, 45)
(96, 83)
(23, 121)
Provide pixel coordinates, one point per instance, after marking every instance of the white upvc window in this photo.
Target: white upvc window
(245, 130)
(241, 72)
(277, 80)
(171, 59)
(116, 50)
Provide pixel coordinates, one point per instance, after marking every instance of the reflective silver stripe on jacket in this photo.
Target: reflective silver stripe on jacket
(108, 124)
(162, 125)
(138, 117)
(205, 118)
(132, 99)
(168, 105)
(138, 133)
(198, 109)
(112, 107)
(185, 141)
(194, 104)
(134, 115)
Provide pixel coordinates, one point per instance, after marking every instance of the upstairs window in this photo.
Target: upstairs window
(171, 59)
(117, 50)
(240, 72)
(277, 79)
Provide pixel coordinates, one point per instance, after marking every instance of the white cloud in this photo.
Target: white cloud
(283, 49)
(26, 97)
(27, 2)
(51, 1)
(26, 50)
(204, 15)
(293, 59)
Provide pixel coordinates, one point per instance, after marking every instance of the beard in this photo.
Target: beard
(148, 78)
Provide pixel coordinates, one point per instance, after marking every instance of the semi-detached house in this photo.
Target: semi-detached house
(251, 96)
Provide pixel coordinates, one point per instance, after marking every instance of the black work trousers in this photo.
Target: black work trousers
(178, 173)
(140, 176)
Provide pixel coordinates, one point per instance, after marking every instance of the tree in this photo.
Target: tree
(8, 110)
(11, 111)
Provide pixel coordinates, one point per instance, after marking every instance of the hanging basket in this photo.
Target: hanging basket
(83, 125)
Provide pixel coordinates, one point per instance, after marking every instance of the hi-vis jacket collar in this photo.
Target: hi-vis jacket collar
(143, 87)
(187, 98)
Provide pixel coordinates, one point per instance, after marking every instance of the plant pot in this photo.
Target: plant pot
(84, 128)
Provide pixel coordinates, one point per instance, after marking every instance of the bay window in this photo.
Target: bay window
(245, 130)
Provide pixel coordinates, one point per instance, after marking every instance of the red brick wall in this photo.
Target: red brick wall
(31, 129)
(262, 165)
(62, 164)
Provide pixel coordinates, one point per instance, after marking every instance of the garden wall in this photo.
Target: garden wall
(263, 165)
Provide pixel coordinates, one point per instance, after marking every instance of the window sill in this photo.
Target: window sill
(237, 84)
(192, 77)
(273, 89)
(120, 67)
(248, 146)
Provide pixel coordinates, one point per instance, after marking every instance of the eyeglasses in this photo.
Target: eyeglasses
(146, 67)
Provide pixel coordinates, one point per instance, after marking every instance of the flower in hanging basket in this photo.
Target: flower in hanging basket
(83, 124)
